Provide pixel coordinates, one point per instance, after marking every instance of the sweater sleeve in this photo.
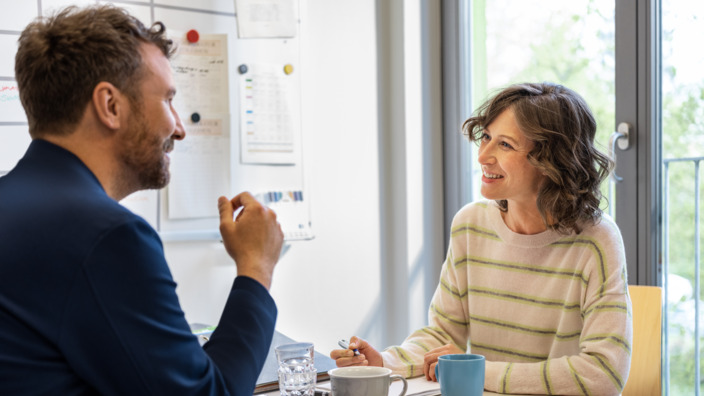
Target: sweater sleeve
(601, 367)
(447, 318)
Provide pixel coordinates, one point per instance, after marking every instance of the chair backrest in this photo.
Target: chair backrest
(645, 376)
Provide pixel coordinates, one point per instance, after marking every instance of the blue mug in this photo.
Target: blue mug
(460, 375)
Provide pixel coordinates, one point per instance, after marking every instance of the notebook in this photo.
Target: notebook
(269, 378)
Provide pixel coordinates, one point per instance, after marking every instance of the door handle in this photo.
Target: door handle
(620, 137)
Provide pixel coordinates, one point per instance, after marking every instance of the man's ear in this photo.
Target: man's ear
(110, 105)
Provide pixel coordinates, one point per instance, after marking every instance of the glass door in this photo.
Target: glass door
(682, 109)
(637, 63)
(565, 42)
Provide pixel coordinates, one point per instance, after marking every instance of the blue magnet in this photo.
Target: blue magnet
(195, 117)
(242, 69)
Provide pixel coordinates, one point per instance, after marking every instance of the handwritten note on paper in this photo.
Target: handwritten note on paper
(200, 170)
(200, 164)
(267, 123)
(200, 75)
(265, 18)
(11, 109)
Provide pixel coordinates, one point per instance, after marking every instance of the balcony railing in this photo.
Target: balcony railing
(691, 322)
(666, 223)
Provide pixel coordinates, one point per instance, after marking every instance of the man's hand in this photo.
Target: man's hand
(253, 239)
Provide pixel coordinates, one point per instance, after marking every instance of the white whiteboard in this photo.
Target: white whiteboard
(269, 182)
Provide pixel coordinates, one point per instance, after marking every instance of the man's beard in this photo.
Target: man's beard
(143, 155)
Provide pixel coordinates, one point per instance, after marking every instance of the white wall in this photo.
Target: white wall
(339, 270)
(327, 288)
(351, 279)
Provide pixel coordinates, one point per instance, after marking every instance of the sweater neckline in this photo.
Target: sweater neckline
(513, 238)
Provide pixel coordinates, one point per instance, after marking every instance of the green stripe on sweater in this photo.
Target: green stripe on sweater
(522, 298)
(406, 360)
(609, 370)
(471, 229)
(577, 380)
(452, 290)
(609, 307)
(449, 318)
(612, 338)
(595, 248)
(546, 377)
(521, 328)
(504, 382)
(520, 267)
(526, 356)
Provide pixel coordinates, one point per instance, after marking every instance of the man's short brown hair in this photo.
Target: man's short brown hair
(62, 58)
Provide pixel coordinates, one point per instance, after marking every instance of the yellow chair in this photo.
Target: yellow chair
(645, 376)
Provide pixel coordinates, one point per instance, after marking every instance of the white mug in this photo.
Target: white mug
(363, 380)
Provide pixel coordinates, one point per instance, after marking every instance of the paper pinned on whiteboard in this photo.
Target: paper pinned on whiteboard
(268, 126)
(11, 109)
(265, 18)
(292, 212)
(200, 72)
(200, 169)
(200, 164)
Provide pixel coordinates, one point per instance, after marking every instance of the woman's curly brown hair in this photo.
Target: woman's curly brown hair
(561, 126)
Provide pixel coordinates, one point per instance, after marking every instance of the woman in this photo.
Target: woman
(535, 276)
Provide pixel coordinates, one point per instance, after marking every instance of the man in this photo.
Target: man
(87, 302)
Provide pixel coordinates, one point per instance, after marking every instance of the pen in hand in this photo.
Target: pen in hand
(346, 345)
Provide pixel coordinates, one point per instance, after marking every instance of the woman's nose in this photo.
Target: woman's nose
(485, 154)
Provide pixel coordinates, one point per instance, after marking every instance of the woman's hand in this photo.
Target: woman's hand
(430, 360)
(368, 356)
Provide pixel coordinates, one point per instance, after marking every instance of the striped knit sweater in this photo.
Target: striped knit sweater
(550, 312)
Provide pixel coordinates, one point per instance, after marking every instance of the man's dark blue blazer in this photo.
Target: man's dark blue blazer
(88, 304)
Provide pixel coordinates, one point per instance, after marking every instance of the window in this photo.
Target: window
(634, 62)
(682, 110)
(572, 44)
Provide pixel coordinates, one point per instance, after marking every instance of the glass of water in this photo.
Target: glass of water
(297, 372)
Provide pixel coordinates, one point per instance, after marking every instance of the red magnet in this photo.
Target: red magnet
(192, 36)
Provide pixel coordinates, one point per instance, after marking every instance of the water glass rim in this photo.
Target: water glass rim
(294, 346)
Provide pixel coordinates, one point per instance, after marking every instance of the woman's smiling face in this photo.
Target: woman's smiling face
(503, 155)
